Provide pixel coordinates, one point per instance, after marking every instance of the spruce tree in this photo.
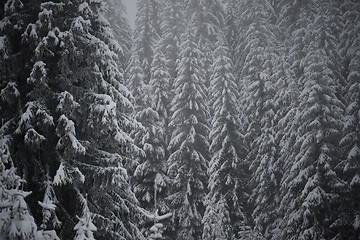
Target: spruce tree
(189, 144)
(228, 172)
(350, 168)
(16, 221)
(348, 224)
(70, 136)
(310, 185)
(259, 57)
(135, 83)
(231, 30)
(146, 34)
(207, 17)
(150, 180)
(160, 84)
(115, 13)
(172, 28)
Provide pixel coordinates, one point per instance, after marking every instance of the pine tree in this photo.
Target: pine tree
(115, 13)
(70, 137)
(310, 185)
(150, 181)
(350, 168)
(258, 60)
(189, 145)
(16, 221)
(135, 83)
(85, 228)
(348, 224)
(172, 28)
(160, 84)
(231, 28)
(207, 17)
(259, 57)
(226, 200)
(146, 34)
(13, 22)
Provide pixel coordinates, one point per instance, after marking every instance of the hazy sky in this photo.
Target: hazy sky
(131, 10)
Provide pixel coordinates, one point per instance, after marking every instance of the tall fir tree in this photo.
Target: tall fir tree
(231, 28)
(146, 34)
(310, 185)
(116, 15)
(16, 219)
(189, 143)
(207, 17)
(135, 83)
(172, 28)
(228, 172)
(349, 169)
(70, 136)
(160, 83)
(259, 57)
(150, 175)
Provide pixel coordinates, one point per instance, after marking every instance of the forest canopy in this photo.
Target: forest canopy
(211, 119)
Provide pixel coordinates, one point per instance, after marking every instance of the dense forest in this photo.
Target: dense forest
(212, 119)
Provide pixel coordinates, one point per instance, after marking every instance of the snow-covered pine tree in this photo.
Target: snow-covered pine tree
(16, 221)
(155, 14)
(160, 85)
(228, 172)
(150, 182)
(310, 185)
(231, 29)
(294, 20)
(328, 22)
(172, 27)
(349, 169)
(208, 19)
(135, 83)
(84, 228)
(14, 58)
(259, 56)
(350, 16)
(150, 179)
(259, 60)
(146, 34)
(70, 137)
(189, 143)
(115, 13)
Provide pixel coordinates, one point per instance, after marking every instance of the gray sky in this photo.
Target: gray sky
(131, 11)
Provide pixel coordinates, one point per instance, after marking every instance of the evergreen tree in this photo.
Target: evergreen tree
(146, 34)
(115, 13)
(16, 221)
(70, 135)
(207, 17)
(226, 200)
(160, 83)
(135, 83)
(231, 28)
(150, 182)
(172, 28)
(189, 145)
(348, 225)
(310, 185)
(350, 168)
(85, 228)
(258, 65)
(259, 58)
